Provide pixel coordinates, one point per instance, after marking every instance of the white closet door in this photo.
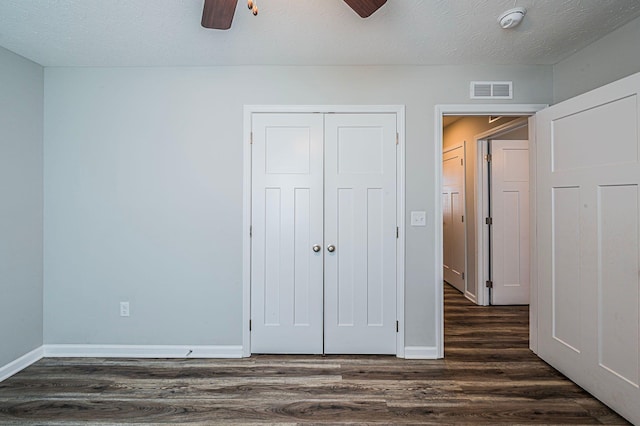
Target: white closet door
(453, 209)
(588, 180)
(287, 215)
(360, 228)
(510, 228)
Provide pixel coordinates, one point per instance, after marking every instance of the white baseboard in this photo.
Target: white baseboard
(141, 351)
(21, 363)
(155, 351)
(421, 352)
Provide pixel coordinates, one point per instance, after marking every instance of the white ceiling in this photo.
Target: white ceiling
(304, 32)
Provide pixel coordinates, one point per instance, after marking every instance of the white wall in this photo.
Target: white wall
(21, 100)
(611, 58)
(143, 189)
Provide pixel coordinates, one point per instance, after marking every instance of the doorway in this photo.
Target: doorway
(485, 233)
(443, 114)
(325, 251)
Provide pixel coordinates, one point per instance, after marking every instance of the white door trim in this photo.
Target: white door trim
(440, 111)
(480, 203)
(399, 110)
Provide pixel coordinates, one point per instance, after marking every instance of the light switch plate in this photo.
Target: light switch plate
(419, 218)
(124, 309)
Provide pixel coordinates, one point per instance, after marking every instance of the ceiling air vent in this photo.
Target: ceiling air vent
(491, 90)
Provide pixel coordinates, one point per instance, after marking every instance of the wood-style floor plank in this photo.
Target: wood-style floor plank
(489, 376)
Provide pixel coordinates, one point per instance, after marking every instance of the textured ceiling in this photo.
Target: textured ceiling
(304, 32)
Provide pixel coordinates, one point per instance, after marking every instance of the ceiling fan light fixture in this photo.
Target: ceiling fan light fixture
(253, 7)
(512, 17)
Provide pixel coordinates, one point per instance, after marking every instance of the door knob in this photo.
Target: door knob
(331, 248)
(317, 248)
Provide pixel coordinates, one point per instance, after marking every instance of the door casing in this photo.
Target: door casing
(399, 110)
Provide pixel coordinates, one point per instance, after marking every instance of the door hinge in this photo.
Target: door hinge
(250, 231)
(489, 284)
(397, 138)
(397, 232)
(397, 326)
(488, 158)
(461, 162)
(463, 275)
(249, 325)
(488, 221)
(462, 218)
(251, 138)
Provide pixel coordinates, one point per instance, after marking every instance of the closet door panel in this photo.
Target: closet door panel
(287, 216)
(360, 233)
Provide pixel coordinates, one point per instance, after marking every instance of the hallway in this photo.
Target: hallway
(484, 333)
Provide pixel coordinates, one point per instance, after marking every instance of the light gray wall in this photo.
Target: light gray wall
(143, 189)
(21, 106)
(611, 58)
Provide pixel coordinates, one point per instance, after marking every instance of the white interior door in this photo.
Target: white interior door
(360, 224)
(453, 211)
(287, 221)
(510, 228)
(323, 248)
(588, 175)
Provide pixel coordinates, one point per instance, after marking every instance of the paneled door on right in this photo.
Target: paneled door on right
(588, 233)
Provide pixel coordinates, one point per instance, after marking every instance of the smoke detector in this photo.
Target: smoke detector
(512, 17)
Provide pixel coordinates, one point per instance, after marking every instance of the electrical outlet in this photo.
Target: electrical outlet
(124, 309)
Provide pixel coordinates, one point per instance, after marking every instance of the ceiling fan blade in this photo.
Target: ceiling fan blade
(218, 14)
(365, 8)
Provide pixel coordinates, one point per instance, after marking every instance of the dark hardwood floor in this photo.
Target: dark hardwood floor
(489, 376)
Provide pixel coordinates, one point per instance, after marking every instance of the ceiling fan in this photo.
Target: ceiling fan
(218, 14)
